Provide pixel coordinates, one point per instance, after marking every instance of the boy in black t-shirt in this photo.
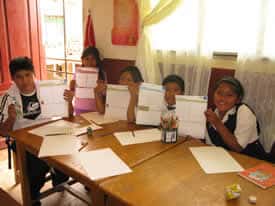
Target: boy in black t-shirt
(21, 106)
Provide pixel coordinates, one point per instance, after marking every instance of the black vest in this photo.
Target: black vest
(254, 149)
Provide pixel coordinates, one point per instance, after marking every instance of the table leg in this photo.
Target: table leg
(97, 196)
(15, 168)
(25, 185)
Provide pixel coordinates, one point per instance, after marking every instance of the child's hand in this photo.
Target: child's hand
(12, 112)
(101, 88)
(68, 95)
(133, 89)
(212, 117)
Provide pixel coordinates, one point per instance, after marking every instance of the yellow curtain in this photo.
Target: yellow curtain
(145, 55)
(163, 9)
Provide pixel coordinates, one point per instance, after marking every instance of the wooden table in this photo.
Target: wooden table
(175, 178)
(133, 155)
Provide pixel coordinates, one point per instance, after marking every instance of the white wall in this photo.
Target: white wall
(102, 13)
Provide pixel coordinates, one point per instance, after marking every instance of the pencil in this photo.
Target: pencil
(84, 145)
(55, 134)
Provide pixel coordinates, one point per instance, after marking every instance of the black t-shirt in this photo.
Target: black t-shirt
(31, 106)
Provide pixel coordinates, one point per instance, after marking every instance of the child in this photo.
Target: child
(22, 105)
(90, 58)
(129, 76)
(173, 85)
(232, 124)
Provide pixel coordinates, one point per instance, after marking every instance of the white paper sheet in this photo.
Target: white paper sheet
(98, 118)
(139, 136)
(86, 78)
(52, 99)
(190, 111)
(150, 104)
(60, 126)
(86, 93)
(102, 163)
(58, 145)
(117, 101)
(215, 160)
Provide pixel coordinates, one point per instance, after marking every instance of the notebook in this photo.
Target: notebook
(262, 175)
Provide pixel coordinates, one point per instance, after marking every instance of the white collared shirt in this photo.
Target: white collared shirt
(246, 126)
(15, 98)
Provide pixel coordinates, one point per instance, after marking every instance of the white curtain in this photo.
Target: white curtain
(157, 62)
(183, 44)
(194, 70)
(258, 79)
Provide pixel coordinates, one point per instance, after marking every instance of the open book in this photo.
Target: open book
(262, 175)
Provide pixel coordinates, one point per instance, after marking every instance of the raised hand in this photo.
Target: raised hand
(68, 95)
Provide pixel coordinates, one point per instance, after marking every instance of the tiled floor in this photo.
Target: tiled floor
(61, 199)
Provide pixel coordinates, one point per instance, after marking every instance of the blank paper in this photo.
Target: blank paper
(58, 145)
(102, 163)
(138, 136)
(215, 160)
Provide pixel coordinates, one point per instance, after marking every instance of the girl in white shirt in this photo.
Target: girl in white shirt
(233, 125)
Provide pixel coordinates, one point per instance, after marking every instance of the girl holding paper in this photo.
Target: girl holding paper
(90, 58)
(129, 76)
(173, 85)
(233, 125)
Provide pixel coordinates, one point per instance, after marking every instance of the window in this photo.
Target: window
(62, 36)
(205, 26)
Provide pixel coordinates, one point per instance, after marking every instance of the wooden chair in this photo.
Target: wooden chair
(6, 199)
(272, 154)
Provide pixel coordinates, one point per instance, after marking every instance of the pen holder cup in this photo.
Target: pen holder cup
(169, 135)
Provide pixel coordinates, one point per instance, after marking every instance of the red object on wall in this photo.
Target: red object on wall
(125, 30)
(89, 32)
(20, 36)
(113, 68)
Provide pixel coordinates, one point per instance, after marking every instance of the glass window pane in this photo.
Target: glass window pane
(74, 27)
(56, 17)
(53, 28)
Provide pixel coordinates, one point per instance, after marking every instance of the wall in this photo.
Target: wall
(102, 13)
(19, 36)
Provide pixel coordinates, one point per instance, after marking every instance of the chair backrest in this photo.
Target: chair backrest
(272, 154)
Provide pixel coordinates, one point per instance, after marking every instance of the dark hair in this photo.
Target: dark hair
(135, 73)
(93, 51)
(20, 63)
(235, 85)
(172, 78)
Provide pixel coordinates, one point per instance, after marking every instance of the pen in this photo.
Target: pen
(84, 145)
(55, 134)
